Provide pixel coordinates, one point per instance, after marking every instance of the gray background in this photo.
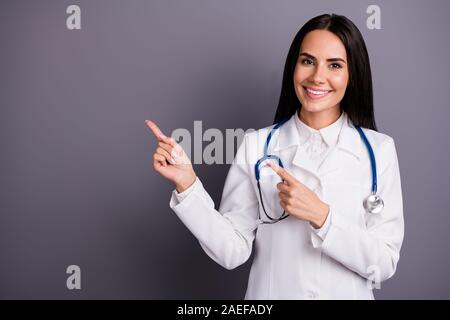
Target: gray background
(77, 184)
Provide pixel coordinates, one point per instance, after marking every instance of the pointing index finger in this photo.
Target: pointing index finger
(282, 172)
(158, 133)
(155, 129)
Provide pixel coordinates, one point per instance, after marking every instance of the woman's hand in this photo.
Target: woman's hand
(298, 200)
(170, 160)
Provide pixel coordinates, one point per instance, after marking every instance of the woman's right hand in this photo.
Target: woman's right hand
(170, 160)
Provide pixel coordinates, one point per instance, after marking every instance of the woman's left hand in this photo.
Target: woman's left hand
(298, 200)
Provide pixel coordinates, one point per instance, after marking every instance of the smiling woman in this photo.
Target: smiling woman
(321, 77)
(325, 244)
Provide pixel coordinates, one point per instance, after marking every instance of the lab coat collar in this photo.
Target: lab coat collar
(349, 142)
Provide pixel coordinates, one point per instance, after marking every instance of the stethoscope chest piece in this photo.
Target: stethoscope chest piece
(373, 203)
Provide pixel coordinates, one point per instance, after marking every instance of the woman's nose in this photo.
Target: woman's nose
(319, 75)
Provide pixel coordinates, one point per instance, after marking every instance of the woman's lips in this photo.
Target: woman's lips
(316, 94)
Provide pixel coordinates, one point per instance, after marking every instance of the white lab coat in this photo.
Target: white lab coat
(292, 260)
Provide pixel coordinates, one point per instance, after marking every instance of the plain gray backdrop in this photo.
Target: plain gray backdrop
(77, 184)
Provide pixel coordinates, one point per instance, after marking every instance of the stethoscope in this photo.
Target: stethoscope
(372, 203)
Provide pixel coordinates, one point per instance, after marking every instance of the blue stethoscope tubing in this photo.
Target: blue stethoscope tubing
(268, 156)
(372, 203)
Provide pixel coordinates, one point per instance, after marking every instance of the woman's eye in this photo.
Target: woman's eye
(336, 66)
(307, 61)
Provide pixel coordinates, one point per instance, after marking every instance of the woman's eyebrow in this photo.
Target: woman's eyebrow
(314, 58)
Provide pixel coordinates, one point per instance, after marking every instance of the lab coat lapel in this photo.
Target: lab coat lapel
(349, 143)
(287, 146)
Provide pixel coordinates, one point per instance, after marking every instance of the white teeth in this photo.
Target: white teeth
(317, 92)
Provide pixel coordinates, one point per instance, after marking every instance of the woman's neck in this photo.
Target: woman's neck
(319, 120)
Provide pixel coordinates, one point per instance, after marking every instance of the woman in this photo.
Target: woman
(326, 244)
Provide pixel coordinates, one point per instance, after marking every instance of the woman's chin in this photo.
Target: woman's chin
(314, 107)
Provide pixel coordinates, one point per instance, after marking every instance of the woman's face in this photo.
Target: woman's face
(321, 73)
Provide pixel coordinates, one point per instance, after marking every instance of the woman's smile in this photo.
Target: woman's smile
(316, 93)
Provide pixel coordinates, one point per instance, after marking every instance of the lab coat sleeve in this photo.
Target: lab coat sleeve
(373, 251)
(322, 231)
(227, 234)
(177, 197)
